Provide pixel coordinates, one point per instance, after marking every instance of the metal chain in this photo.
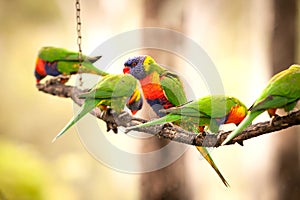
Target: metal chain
(79, 37)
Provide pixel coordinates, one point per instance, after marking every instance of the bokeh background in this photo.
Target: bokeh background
(237, 35)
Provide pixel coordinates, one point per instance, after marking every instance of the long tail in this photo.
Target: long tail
(246, 122)
(203, 151)
(162, 120)
(86, 108)
(93, 59)
(88, 67)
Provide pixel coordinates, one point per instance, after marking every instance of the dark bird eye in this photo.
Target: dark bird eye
(133, 64)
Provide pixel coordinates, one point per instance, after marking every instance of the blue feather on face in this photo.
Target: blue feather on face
(136, 67)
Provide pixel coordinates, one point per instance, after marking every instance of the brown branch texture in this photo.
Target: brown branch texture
(169, 131)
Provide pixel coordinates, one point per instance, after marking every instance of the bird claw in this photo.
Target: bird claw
(167, 125)
(274, 117)
(240, 143)
(110, 125)
(63, 78)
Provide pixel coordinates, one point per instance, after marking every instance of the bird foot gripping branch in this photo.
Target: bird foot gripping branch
(110, 124)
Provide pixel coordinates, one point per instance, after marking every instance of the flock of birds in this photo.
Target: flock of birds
(145, 80)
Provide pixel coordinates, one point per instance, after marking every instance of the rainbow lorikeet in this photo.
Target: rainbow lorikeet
(114, 91)
(161, 89)
(58, 61)
(282, 91)
(209, 111)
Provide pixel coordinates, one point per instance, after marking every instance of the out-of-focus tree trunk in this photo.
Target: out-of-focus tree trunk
(169, 182)
(283, 55)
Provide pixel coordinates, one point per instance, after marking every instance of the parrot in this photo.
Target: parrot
(210, 112)
(113, 90)
(55, 61)
(282, 91)
(161, 89)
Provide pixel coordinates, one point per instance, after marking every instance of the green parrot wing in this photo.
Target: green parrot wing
(88, 105)
(113, 86)
(67, 67)
(190, 109)
(206, 107)
(173, 88)
(213, 106)
(208, 111)
(280, 90)
(52, 54)
(162, 120)
(271, 102)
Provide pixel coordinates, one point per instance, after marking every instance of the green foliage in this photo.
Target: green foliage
(23, 175)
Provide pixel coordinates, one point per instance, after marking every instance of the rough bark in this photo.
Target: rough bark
(170, 132)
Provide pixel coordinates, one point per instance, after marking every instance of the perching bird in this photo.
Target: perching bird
(209, 112)
(282, 91)
(162, 89)
(58, 61)
(114, 91)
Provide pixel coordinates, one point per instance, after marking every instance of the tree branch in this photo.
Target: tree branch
(169, 131)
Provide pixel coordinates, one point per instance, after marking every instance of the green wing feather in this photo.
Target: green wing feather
(282, 89)
(162, 120)
(214, 106)
(113, 86)
(68, 61)
(52, 54)
(173, 88)
(71, 67)
(170, 82)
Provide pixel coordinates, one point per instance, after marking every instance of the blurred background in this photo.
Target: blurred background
(248, 41)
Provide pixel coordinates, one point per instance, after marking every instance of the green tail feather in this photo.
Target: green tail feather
(162, 120)
(86, 108)
(204, 152)
(93, 59)
(246, 122)
(88, 67)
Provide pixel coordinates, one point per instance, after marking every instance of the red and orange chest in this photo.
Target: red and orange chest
(151, 87)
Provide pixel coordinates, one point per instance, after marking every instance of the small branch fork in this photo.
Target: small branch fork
(169, 131)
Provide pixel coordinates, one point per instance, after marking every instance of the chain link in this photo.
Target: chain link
(79, 37)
